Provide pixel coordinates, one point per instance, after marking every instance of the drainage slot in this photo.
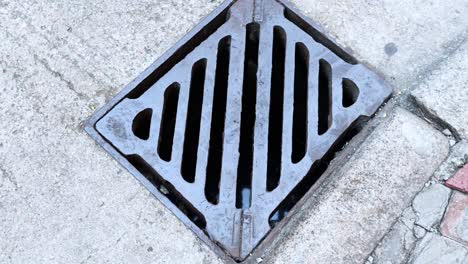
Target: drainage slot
(185, 49)
(242, 224)
(350, 92)
(167, 190)
(275, 127)
(314, 174)
(215, 154)
(301, 81)
(168, 120)
(249, 93)
(324, 97)
(142, 123)
(192, 127)
(317, 36)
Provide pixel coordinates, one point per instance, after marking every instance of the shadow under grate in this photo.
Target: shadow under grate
(232, 126)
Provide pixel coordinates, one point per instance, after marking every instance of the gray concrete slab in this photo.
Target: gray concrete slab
(110, 42)
(63, 200)
(403, 40)
(444, 94)
(429, 205)
(435, 249)
(458, 157)
(367, 194)
(396, 245)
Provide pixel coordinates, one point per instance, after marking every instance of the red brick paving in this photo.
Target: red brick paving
(459, 181)
(455, 223)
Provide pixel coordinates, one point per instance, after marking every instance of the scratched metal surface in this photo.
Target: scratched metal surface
(229, 227)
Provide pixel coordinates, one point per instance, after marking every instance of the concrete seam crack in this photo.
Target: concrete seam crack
(60, 76)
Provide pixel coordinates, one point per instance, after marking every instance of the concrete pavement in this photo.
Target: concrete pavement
(64, 200)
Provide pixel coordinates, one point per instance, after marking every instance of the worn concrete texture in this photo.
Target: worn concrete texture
(404, 40)
(457, 159)
(435, 249)
(356, 211)
(106, 42)
(63, 200)
(429, 205)
(411, 240)
(396, 245)
(432, 239)
(425, 244)
(444, 94)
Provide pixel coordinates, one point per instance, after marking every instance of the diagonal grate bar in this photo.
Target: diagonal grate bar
(225, 126)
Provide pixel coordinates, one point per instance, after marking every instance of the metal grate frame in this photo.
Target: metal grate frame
(227, 124)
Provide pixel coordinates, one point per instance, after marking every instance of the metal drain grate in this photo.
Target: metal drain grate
(226, 127)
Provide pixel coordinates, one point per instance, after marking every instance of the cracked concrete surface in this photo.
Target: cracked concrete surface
(458, 157)
(63, 200)
(429, 205)
(435, 222)
(354, 212)
(444, 94)
(70, 203)
(435, 249)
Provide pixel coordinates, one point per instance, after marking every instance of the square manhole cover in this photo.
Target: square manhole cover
(226, 127)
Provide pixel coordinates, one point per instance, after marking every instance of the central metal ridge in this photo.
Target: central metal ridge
(232, 119)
